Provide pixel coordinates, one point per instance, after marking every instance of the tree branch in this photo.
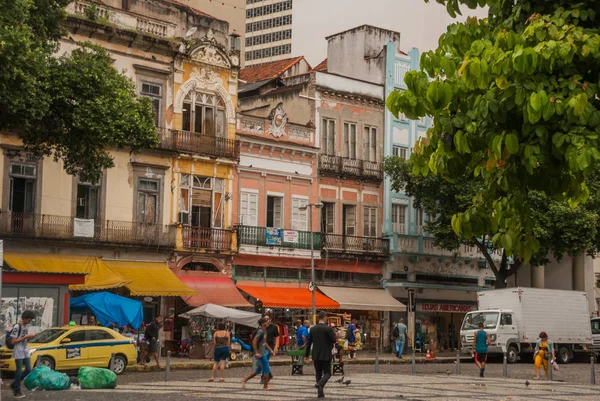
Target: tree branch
(487, 256)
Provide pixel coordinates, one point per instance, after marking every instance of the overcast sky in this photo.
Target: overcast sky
(420, 24)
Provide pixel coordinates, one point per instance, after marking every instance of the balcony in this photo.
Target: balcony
(292, 239)
(350, 168)
(65, 228)
(423, 245)
(355, 246)
(191, 142)
(122, 19)
(206, 239)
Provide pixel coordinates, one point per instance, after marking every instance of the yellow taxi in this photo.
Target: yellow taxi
(71, 347)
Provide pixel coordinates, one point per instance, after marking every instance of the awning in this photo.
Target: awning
(220, 312)
(110, 308)
(363, 299)
(213, 290)
(98, 275)
(153, 279)
(298, 298)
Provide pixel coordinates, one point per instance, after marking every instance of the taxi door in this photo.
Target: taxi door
(101, 344)
(72, 351)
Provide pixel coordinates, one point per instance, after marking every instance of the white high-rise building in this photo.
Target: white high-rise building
(268, 31)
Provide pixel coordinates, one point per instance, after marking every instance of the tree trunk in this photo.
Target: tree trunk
(500, 279)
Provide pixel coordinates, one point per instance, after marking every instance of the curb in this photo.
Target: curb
(248, 363)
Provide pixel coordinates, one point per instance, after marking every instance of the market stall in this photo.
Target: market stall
(203, 322)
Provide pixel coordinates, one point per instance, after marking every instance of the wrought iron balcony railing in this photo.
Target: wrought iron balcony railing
(209, 239)
(191, 142)
(346, 167)
(51, 227)
(347, 244)
(251, 235)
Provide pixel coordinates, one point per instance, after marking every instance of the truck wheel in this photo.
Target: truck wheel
(512, 354)
(563, 355)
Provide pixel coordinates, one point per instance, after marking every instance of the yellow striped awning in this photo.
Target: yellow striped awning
(98, 275)
(153, 279)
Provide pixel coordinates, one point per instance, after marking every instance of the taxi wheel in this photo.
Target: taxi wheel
(118, 365)
(45, 361)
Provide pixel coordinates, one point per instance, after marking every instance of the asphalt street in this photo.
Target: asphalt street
(433, 381)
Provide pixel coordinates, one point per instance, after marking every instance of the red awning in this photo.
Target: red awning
(295, 298)
(213, 290)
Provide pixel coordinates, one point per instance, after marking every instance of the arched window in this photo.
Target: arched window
(204, 113)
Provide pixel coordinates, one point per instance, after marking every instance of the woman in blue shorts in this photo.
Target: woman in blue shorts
(222, 343)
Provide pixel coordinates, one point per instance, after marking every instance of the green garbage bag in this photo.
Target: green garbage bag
(53, 380)
(96, 378)
(32, 381)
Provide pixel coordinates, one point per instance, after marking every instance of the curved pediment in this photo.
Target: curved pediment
(210, 54)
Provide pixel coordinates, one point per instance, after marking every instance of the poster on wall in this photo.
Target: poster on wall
(375, 329)
(273, 236)
(11, 310)
(290, 236)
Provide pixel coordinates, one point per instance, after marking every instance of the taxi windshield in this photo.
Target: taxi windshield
(47, 336)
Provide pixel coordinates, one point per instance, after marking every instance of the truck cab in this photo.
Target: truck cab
(500, 326)
(596, 336)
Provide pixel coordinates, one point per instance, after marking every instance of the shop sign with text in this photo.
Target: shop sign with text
(443, 307)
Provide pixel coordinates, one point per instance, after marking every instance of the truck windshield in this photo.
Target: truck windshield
(472, 320)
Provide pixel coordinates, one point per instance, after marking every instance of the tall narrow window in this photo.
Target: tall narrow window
(204, 113)
(370, 139)
(349, 220)
(147, 201)
(22, 188)
(328, 218)
(399, 219)
(200, 202)
(349, 140)
(249, 209)
(299, 217)
(88, 200)
(419, 220)
(400, 151)
(370, 221)
(274, 211)
(328, 137)
(154, 93)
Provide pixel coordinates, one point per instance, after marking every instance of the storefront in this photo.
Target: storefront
(439, 312)
(370, 307)
(47, 294)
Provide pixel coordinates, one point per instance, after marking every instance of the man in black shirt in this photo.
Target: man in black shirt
(151, 336)
(272, 344)
(321, 339)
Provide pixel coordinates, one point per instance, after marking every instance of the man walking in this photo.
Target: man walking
(321, 339)
(400, 334)
(351, 332)
(19, 337)
(272, 341)
(481, 340)
(151, 336)
(262, 362)
(302, 334)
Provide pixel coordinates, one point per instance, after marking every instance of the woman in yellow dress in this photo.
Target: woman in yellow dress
(544, 352)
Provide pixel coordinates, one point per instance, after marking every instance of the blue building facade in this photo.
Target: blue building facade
(401, 134)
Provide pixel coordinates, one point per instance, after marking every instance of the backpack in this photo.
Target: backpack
(396, 332)
(9, 343)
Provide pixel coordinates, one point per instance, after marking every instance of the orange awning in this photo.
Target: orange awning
(295, 298)
(213, 290)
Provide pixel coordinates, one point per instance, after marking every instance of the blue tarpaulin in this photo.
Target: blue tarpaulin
(110, 308)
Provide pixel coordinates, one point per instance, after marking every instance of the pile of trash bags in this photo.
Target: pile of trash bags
(44, 378)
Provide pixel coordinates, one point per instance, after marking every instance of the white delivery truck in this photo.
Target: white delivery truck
(514, 318)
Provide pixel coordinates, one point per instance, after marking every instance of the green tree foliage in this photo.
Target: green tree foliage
(71, 107)
(514, 101)
(559, 228)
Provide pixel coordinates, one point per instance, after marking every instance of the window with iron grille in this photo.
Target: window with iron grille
(400, 151)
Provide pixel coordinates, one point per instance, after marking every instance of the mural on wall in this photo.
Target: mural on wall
(11, 310)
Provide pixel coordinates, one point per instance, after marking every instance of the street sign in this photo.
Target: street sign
(311, 286)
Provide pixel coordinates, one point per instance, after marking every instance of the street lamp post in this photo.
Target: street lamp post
(313, 288)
